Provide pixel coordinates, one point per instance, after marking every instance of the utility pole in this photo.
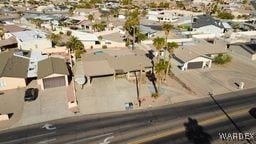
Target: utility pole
(133, 43)
(230, 119)
(140, 85)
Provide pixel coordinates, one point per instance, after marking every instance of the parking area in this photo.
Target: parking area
(107, 95)
(50, 104)
(220, 78)
(11, 102)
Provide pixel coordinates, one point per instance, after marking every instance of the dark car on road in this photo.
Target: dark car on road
(31, 94)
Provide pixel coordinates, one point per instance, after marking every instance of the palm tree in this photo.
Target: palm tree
(167, 28)
(114, 12)
(171, 46)
(90, 17)
(160, 70)
(126, 2)
(75, 45)
(55, 38)
(99, 26)
(100, 37)
(158, 43)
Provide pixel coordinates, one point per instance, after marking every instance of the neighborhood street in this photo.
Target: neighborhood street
(187, 122)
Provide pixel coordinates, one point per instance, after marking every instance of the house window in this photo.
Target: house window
(2, 83)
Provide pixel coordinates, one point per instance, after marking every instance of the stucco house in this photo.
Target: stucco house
(13, 70)
(7, 41)
(204, 26)
(8, 44)
(118, 62)
(88, 39)
(17, 68)
(31, 40)
(163, 15)
(86, 12)
(198, 55)
(247, 50)
(52, 72)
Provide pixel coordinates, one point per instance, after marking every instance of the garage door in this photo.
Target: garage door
(54, 82)
(195, 65)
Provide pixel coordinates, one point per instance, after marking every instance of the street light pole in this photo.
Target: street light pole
(140, 85)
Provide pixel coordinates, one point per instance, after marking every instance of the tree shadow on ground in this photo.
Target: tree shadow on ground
(195, 132)
(151, 75)
(151, 56)
(71, 74)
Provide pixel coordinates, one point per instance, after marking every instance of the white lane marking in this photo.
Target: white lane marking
(107, 140)
(47, 141)
(48, 126)
(89, 138)
(26, 138)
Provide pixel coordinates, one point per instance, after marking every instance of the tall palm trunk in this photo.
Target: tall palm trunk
(168, 67)
(159, 82)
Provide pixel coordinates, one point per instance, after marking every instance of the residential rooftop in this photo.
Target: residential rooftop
(12, 65)
(205, 20)
(108, 62)
(28, 35)
(51, 65)
(199, 48)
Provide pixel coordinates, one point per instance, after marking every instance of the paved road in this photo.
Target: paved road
(198, 122)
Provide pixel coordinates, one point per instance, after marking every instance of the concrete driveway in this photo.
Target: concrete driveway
(51, 104)
(11, 101)
(107, 95)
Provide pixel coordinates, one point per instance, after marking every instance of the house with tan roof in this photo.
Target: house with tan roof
(198, 55)
(17, 68)
(13, 71)
(124, 62)
(52, 72)
(8, 43)
(247, 50)
(12, 28)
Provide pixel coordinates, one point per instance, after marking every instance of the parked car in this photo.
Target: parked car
(31, 94)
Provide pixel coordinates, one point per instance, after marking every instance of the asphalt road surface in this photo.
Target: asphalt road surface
(200, 122)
